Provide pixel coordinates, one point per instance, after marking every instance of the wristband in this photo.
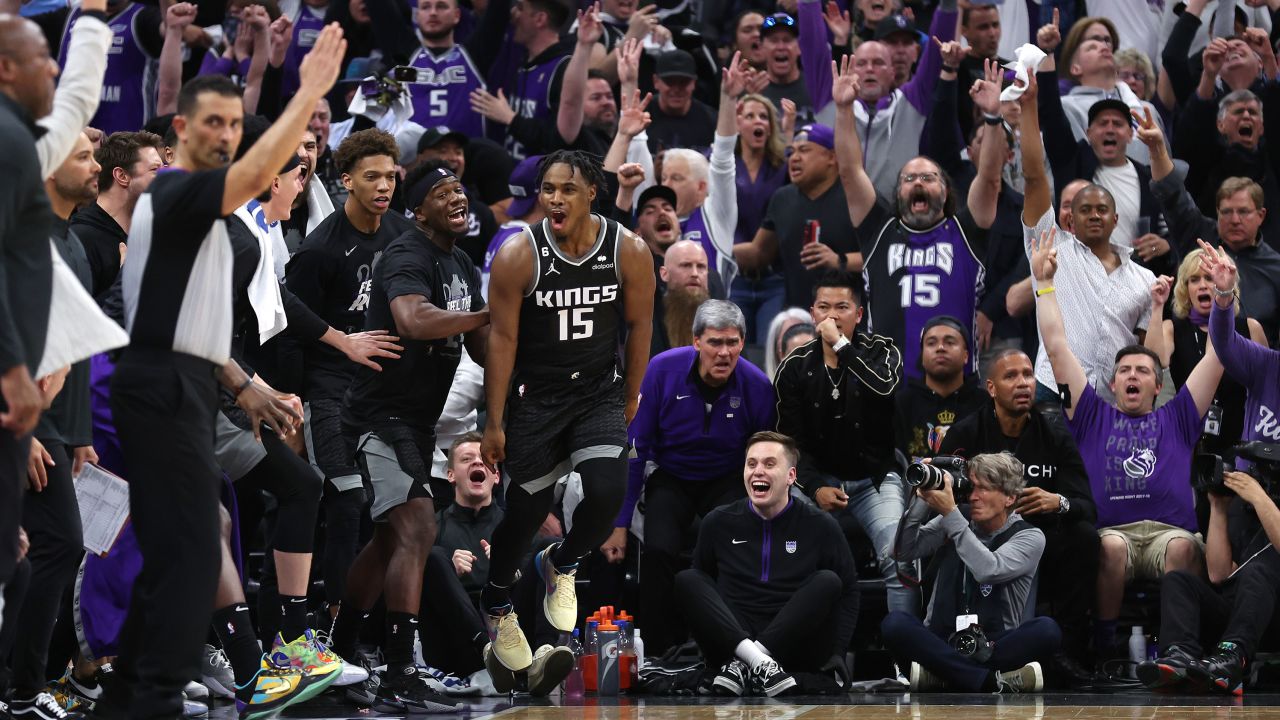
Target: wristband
(1044, 291)
(948, 68)
(992, 119)
(1224, 293)
(243, 386)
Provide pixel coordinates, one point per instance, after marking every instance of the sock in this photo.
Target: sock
(293, 610)
(346, 630)
(563, 565)
(763, 649)
(495, 599)
(1104, 637)
(748, 653)
(401, 629)
(239, 641)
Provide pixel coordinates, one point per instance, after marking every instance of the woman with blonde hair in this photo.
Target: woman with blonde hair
(761, 169)
(1180, 342)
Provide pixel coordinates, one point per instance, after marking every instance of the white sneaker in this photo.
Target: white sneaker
(195, 691)
(924, 681)
(551, 665)
(194, 708)
(1027, 679)
(560, 604)
(445, 683)
(482, 683)
(509, 646)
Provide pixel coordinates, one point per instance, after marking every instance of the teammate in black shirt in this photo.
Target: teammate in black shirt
(561, 296)
(426, 291)
(332, 273)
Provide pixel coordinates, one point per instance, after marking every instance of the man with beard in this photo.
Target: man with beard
(926, 408)
(427, 292)
(681, 290)
(61, 445)
(447, 148)
(324, 167)
(554, 382)
(314, 204)
(921, 258)
(1091, 263)
(129, 163)
(1057, 498)
(699, 406)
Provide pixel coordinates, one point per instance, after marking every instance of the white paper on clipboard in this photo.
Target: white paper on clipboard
(104, 507)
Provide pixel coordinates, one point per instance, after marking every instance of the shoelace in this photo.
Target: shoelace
(45, 702)
(564, 595)
(219, 659)
(509, 631)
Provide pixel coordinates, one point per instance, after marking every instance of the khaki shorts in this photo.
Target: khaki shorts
(1147, 541)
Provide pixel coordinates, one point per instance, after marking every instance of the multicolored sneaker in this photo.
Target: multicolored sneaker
(272, 689)
(67, 698)
(307, 656)
(560, 604)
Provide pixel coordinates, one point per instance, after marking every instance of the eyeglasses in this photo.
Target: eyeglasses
(1132, 75)
(1232, 212)
(1104, 39)
(779, 19)
(924, 177)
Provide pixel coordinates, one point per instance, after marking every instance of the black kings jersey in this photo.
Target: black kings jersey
(571, 317)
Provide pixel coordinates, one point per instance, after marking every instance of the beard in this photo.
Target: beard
(919, 220)
(679, 307)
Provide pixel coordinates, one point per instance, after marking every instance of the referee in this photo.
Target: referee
(178, 310)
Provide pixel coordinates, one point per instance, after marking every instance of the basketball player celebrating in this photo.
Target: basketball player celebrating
(558, 305)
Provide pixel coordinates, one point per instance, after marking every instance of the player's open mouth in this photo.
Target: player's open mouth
(382, 202)
(558, 218)
(459, 215)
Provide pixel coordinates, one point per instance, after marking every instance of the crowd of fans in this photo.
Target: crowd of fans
(1032, 235)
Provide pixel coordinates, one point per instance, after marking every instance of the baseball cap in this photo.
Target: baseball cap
(1109, 104)
(948, 321)
(818, 134)
(361, 68)
(656, 192)
(675, 63)
(779, 21)
(524, 187)
(432, 137)
(896, 23)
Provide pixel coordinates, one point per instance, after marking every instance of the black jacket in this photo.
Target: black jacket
(101, 236)
(461, 528)
(757, 577)
(922, 417)
(26, 260)
(844, 438)
(1046, 449)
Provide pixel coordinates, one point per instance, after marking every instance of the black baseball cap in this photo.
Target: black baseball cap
(432, 137)
(675, 63)
(779, 21)
(894, 24)
(659, 192)
(1116, 104)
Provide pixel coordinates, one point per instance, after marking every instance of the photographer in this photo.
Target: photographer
(975, 637)
(1056, 499)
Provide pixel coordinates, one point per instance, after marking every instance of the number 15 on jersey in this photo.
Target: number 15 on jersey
(576, 323)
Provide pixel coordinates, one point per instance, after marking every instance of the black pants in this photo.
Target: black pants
(51, 518)
(670, 506)
(799, 636)
(908, 640)
(449, 622)
(164, 406)
(1068, 579)
(1194, 614)
(12, 598)
(14, 452)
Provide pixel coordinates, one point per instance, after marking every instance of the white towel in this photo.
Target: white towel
(78, 329)
(319, 204)
(264, 287)
(1026, 60)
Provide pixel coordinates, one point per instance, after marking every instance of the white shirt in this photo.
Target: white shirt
(1122, 181)
(1100, 310)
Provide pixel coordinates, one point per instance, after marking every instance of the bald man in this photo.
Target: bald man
(26, 271)
(683, 287)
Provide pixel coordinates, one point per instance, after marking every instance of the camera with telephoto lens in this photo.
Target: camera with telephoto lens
(1207, 469)
(929, 476)
(972, 643)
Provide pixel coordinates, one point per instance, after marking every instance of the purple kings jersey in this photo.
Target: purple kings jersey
(913, 276)
(442, 94)
(694, 228)
(306, 28)
(530, 97)
(1139, 467)
(128, 87)
(515, 227)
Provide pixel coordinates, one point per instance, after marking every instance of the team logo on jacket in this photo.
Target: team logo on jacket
(735, 402)
(791, 547)
(985, 590)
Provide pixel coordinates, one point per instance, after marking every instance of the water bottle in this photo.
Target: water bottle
(573, 686)
(638, 642)
(591, 656)
(608, 682)
(628, 673)
(1137, 646)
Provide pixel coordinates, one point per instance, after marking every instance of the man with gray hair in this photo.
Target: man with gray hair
(699, 406)
(978, 635)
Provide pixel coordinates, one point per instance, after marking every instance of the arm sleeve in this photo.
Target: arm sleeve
(391, 32)
(401, 273)
(1073, 478)
(915, 538)
(1018, 557)
(790, 411)
(271, 97)
(722, 204)
(1186, 224)
(1060, 145)
(185, 201)
(943, 143)
(919, 90)
(12, 351)
(644, 433)
(815, 53)
(79, 90)
(1175, 57)
(1243, 359)
(1197, 122)
(303, 323)
(638, 152)
(493, 24)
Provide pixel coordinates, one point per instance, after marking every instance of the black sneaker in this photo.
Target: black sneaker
(1172, 671)
(1224, 669)
(42, 706)
(770, 679)
(364, 693)
(733, 679)
(411, 695)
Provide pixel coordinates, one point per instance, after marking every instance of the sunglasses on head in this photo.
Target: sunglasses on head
(780, 19)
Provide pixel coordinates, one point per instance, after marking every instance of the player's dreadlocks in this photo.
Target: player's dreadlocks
(583, 163)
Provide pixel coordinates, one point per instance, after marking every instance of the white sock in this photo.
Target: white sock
(763, 649)
(749, 653)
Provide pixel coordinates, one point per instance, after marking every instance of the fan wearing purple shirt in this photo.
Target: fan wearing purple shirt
(1138, 457)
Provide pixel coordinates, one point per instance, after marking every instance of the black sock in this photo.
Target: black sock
(398, 647)
(293, 611)
(239, 641)
(346, 630)
(495, 599)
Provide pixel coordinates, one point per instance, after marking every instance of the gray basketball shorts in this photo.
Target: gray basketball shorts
(552, 428)
(397, 467)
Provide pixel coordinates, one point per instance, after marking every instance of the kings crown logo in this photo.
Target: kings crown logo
(946, 417)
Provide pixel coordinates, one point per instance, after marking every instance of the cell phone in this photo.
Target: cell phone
(404, 74)
(812, 231)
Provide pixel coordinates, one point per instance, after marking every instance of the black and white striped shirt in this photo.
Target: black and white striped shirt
(177, 276)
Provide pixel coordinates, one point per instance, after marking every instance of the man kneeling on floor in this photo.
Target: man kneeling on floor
(773, 583)
(974, 637)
